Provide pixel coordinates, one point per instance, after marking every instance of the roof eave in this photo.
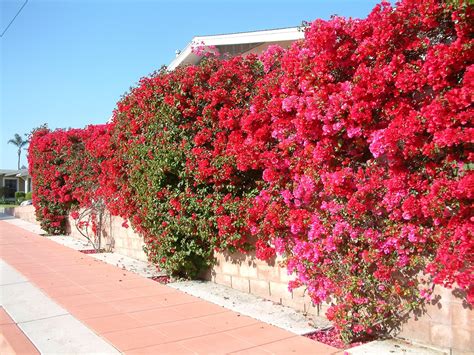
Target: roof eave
(268, 36)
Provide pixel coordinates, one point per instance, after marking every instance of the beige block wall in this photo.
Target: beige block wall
(127, 242)
(115, 237)
(448, 324)
(121, 240)
(270, 281)
(26, 213)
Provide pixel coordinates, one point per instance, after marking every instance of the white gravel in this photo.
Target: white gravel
(252, 306)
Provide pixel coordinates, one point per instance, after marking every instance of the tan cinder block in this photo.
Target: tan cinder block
(462, 316)
(279, 259)
(217, 267)
(269, 273)
(461, 352)
(299, 292)
(138, 244)
(312, 309)
(273, 298)
(416, 330)
(280, 290)
(119, 243)
(233, 258)
(219, 256)
(299, 305)
(439, 313)
(248, 258)
(260, 262)
(230, 268)
(260, 288)
(241, 284)
(463, 339)
(221, 279)
(284, 277)
(323, 307)
(26, 213)
(444, 294)
(140, 255)
(125, 240)
(248, 270)
(307, 298)
(441, 335)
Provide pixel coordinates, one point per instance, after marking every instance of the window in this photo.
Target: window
(10, 187)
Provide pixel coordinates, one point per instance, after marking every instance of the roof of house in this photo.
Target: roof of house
(14, 173)
(8, 172)
(240, 43)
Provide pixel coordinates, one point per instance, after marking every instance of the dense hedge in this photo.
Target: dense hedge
(64, 165)
(348, 154)
(171, 172)
(367, 168)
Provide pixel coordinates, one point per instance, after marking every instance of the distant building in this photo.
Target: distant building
(13, 181)
(234, 44)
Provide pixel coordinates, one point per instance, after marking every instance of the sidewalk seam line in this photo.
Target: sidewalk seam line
(34, 320)
(193, 337)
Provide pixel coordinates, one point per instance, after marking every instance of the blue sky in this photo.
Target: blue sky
(68, 62)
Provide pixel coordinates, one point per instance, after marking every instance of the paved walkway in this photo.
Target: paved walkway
(129, 313)
(12, 339)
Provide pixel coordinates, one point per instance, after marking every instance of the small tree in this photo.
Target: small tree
(89, 221)
(20, 143)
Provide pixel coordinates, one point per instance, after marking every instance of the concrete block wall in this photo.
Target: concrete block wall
(26, 213)
(126, 241)
(122, 240)
(268, 280)
(115, 237)
(448, 323)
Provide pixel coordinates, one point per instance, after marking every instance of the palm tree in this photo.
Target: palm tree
(19, 143)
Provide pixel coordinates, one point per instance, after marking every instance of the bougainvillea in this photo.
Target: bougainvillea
(349, 154)
(368, 179)
(170, 170)
(64, 165)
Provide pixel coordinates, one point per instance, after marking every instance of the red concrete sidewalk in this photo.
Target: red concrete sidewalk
(135, 314)
(12, 339)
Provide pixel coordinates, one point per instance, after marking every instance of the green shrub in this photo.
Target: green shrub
(19, 196)
(28, 196)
